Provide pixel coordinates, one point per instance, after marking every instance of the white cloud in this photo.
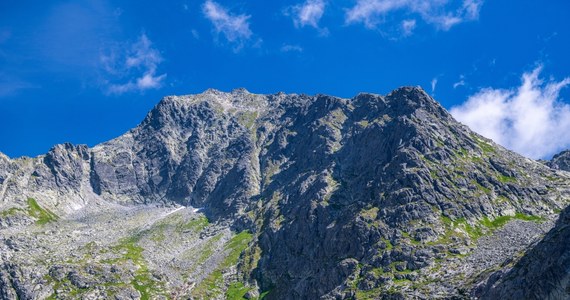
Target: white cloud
(137, 65)
(235, 28)
(433, 84)
(530, 119)
(308, 13)
(291, 48)
(443, 14)
(408, 27)
(459, 83)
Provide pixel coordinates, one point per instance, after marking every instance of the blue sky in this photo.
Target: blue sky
(87, 71)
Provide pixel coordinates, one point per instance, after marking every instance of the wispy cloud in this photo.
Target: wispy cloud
(137, 65)
(408, 27)
(459, 83)
(530, 119)
(291, 48)
(308, 13)
(433, 84)
(234, 27)
(443, 14)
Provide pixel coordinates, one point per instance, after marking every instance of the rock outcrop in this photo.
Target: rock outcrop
(561, 161)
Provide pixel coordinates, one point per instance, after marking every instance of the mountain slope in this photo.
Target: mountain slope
(285, 196)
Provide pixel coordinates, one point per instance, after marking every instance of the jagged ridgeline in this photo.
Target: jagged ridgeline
(238, 195)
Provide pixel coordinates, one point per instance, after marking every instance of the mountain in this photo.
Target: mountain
(232, 195)
(560, 161)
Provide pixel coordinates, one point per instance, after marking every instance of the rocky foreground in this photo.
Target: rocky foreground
(237, 195)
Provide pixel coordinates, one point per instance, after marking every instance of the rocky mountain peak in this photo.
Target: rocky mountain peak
(561, 161)
(333, 198)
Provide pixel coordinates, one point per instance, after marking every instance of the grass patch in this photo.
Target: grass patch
(42, 215)
(388, 244)
(480, 187)
(502, 220)
(236, 291)
(506, 179)
(368, 295)
(11, 212)
(208, 250)
(236, 246)
(264, 294)
(143, 281)
(213, 285)
(537, 219)
(247, 119)
(194, 225)
(486, 147)
(496, 223)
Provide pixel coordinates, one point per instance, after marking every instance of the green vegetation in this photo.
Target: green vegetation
(212, 286)
(497, 222)
(247, 118)
(64, 284)
(456, 229)
(42, 215)
(388, 244)
(208, 249)
(235, 247)
(480, 187)
(486, 147)
(453, 228)
(11, 212)
(537, 219)
(157, 234)
(506, 179)
(502, 220)
(368, 295)
(194, 225)
(369, 214)
(236, 291)
(143, 280)
(264, 294)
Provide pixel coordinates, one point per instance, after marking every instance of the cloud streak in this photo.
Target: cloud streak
(139, 62)
(443, 14)
(530, 119)
(234, 27)
(291, 48)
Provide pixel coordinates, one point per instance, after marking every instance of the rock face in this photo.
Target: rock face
(561, 161)
(370, 197)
